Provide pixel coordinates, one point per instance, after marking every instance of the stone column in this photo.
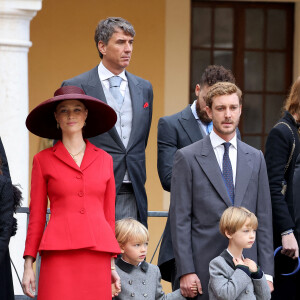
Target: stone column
(15, 17)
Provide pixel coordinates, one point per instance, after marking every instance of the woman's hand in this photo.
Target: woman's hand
(116, 283)
(28, 281)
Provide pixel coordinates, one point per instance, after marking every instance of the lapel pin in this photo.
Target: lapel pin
(146, 105)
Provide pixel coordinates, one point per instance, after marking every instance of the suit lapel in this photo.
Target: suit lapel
(190, 125)
(137, 107)
(90, 154)
(243, 172)
(94, 88)
(208, 162)
(62, 154)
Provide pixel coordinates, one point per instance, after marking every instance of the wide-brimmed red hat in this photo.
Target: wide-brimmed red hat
(41, 121)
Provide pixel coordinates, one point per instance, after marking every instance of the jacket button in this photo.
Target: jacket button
(80, 194)
(82, 211)
(130, 282)
(144, 282)
(132, 295)
(145, 295)
(247, 291)
(78, 176)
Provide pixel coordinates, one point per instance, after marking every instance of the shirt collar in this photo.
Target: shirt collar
(194, 112)
(105, 74)
(217, 141)
(128, 268)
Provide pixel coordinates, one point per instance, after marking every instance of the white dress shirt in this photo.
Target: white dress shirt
(217, 142)
(105, 74)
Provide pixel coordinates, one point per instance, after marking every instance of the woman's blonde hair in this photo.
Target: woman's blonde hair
(233, 219)
(292, 103)
(130, 229)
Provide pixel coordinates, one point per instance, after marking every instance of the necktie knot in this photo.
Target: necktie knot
(226, 146)
(114, 81)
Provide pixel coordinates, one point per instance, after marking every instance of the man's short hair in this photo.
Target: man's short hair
(213, 74)
(233, 219)
(130, 230)
(220, 89)
(107, 27)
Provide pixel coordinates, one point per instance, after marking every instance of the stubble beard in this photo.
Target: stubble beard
(204, 118)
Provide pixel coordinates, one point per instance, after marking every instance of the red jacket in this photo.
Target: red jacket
(82, 201)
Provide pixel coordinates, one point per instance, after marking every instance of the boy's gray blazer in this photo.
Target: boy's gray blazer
(226, 282)
(142, 282)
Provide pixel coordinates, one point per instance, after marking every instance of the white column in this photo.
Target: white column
(15, 17)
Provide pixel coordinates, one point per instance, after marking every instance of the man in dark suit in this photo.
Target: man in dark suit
(175, 132)
(208, 176)
(132, 98)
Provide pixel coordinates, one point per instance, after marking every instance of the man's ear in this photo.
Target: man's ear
(102, 48)
(209, 112)
(197, 90)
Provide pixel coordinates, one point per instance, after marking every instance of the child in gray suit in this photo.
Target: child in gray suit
(231, 275)
(139, 279)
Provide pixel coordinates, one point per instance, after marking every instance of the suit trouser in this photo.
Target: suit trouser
(126, 203)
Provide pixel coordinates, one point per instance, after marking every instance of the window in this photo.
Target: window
(255, 41)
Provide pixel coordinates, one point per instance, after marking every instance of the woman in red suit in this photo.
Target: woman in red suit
(78, 245)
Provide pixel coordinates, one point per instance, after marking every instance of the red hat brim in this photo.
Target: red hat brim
(41, 121)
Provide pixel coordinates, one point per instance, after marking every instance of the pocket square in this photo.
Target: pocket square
(146, 105)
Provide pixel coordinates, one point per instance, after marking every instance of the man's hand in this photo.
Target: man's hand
(290, 246)
(186, 285)
(271, 286)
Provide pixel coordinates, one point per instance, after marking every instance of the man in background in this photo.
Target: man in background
(175, 132)
(132, 98)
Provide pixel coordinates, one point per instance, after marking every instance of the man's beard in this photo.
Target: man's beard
(204, 118)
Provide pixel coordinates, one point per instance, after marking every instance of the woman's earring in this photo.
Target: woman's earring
(57, 125)
(84, 124)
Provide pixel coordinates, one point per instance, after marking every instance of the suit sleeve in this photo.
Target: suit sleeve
(37, 208)
(110, 197)
(223, 285)
(278, 149)
(159, 293)
(6, 216)
(166, 149)
(264, 237)
(181, 214)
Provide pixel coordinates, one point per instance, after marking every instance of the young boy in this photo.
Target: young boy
(231, 275)
(139, 280)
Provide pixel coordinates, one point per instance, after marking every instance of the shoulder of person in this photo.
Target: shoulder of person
(81, 77)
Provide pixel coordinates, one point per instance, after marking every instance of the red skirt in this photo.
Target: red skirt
(75, 275)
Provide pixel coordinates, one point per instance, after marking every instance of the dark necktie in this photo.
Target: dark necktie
(114, 88)
(227, 172)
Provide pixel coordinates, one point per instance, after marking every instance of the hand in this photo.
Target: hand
(271, 286)
(114, 291)
(238, 261)
(187, 282)
(28, 281)
(290, 246)
(116, 283)
(194, 288)
(251, 265)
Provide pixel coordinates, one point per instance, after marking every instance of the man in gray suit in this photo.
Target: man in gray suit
(209, 176)
(132, 98)
(175, 132)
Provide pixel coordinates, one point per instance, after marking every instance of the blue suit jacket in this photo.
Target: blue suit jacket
(132, 157)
